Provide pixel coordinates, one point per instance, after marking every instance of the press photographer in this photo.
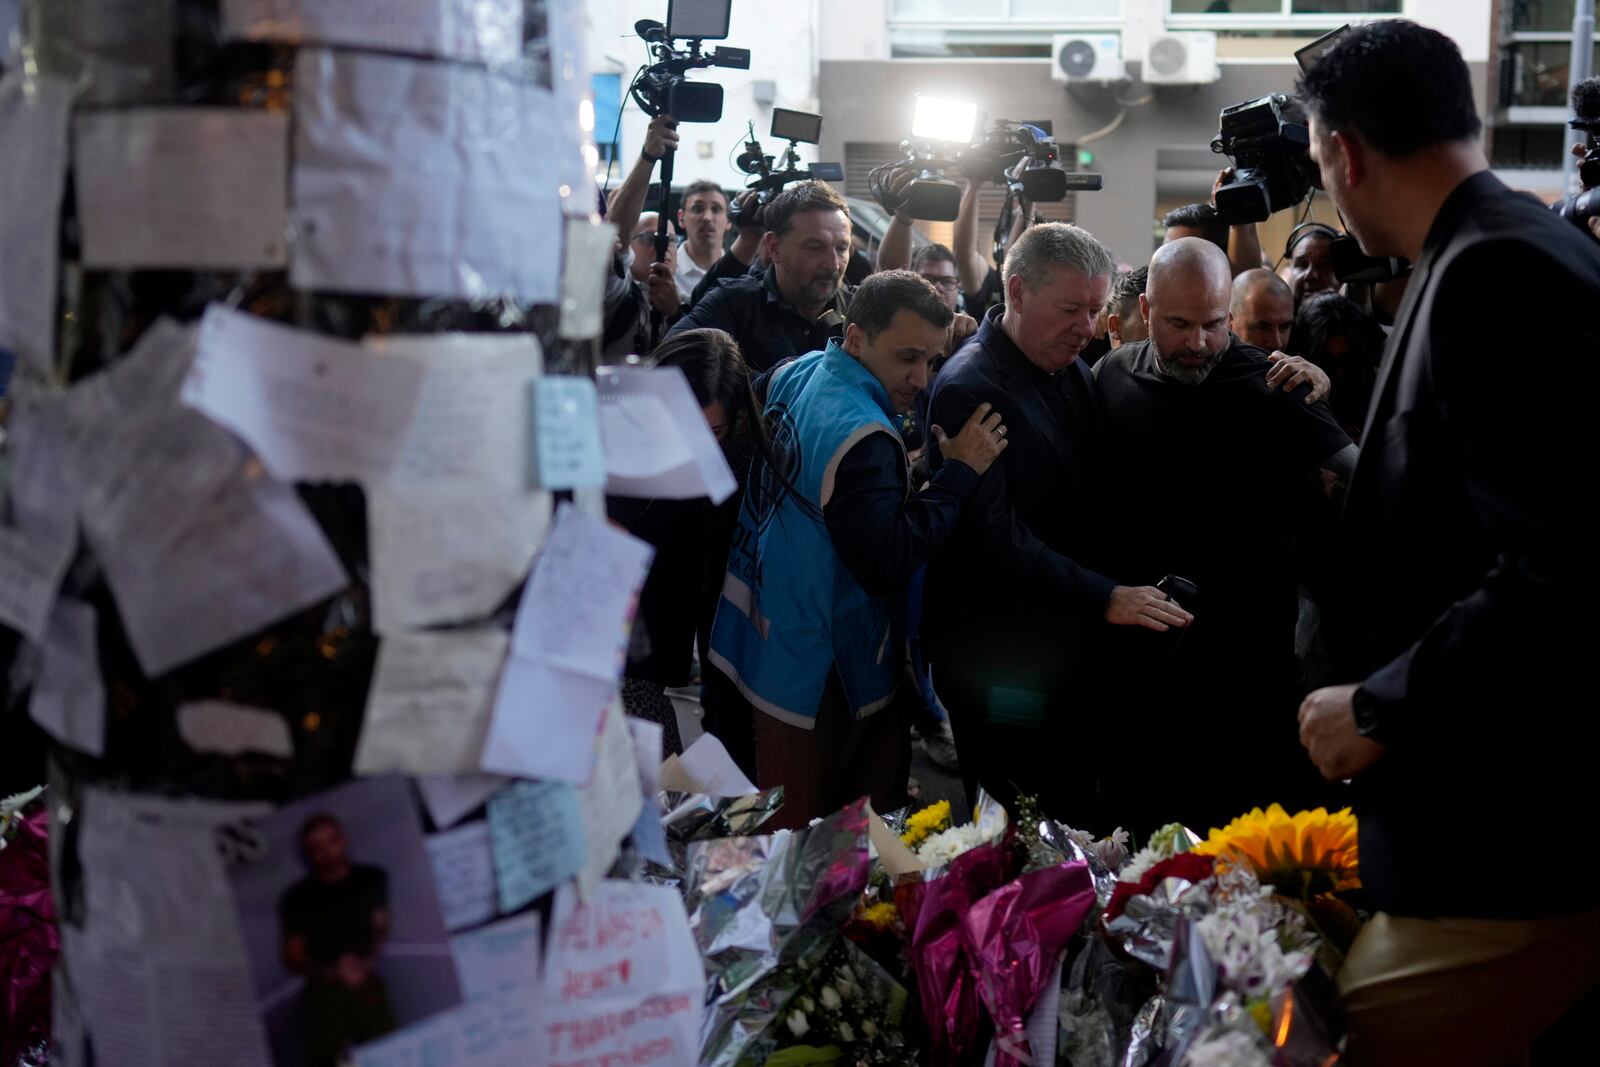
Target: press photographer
(1583, 207)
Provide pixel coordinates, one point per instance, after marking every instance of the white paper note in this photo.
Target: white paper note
(706, 767)
(566, 446)
(611, 802)
(33, 112)
(30, 574)
(68, 700)
(183, 188)
(446, 554)
(487, 31)
(463, 871)
(233, 729)
(157, 952)
(253, 559)
(471, 422)
(624, 981)
(499, 958)
(586, 260)
(429, 702)
(657, 441)
(450, 798)
(314, 408)
(498, 1031)
(577, 606)
(426, 179)
(648, 836)
(545, 722)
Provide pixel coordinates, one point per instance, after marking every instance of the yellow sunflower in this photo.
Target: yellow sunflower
(930, 820)
(1301, 855)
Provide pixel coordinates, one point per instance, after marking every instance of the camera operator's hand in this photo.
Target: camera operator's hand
(1291, 372)
(962, 327)
(1146, 606)
(751, 212)
(980, 441)
(661, 136)
(1594, 227)
(663, 289)
(897, 193)
(1224, 176)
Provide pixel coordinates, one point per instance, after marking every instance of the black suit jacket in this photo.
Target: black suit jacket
(1469, 621)
(1015, 583)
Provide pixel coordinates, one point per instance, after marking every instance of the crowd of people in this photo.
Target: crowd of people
(1090, 535)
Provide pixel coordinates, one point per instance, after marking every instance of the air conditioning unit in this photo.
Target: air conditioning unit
(1181, 59)
(1087, 57)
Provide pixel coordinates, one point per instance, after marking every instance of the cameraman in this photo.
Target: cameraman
(1461, 630)
(1586, 106)
(798, 304)
(980, 282)
(1242, 242)
(638, 283)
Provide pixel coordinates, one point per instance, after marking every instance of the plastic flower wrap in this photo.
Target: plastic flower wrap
(1301, 855)
(764, 911)
(30, 941)
(848, 1010)
(1015, 936)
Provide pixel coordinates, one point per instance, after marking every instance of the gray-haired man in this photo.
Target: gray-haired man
(1014, 611)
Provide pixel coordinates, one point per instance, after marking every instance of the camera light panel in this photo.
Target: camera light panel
(705, 20)
(936, 119)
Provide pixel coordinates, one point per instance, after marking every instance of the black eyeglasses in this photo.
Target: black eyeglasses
(947, 284)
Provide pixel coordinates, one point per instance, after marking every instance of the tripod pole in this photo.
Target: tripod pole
(662, 237)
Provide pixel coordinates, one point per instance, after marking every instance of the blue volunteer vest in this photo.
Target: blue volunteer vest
(790, 609)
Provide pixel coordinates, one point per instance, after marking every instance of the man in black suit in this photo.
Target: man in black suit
(1014, 613)
(1467, 634)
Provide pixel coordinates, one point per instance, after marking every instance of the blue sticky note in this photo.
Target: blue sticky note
(648, 836)
(536, 835)
(565, 452)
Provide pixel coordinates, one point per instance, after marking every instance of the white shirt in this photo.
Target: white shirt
(689, 272)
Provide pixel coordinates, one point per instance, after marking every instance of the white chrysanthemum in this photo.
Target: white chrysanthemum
(1246, 941)
(1226, 1048)
(1140, 864)
(946, 845)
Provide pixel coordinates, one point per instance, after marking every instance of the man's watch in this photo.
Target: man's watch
(1368, 715)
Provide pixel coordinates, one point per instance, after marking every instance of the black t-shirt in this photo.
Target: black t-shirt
(336, 918)
(988, 295)
(1204, 482)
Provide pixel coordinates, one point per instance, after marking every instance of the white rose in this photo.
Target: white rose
(830, 998)
(797, 1024)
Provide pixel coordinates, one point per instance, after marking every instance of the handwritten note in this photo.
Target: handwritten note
(488, 31)
(536, 831)
(427, 179)
(624, 980)
(611, 802)
(183, 188)
(256, 556)
(566, 446)
(470, 421)
(33, 112)
(68, 700)
(577, 605)
(156, 952)
(545, 722)
(463, 871)
(313, 408)
(429, 702)
(445, 554)
(657, 441)
(30, 574)
(648, 836)
(450, 798)
(502, 957)
(230, 729)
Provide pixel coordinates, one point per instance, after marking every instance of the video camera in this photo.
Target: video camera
(767, 178)
(662, 87)
(1022, 157)
(1271, 153)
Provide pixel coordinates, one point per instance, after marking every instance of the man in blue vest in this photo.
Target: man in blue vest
(811, 625)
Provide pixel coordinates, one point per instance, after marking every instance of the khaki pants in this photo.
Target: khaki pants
(1463, 992)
